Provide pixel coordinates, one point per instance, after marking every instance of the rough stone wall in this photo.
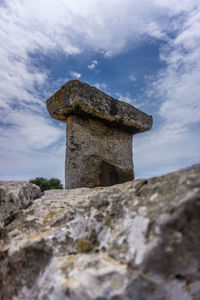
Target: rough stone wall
(134, 241)
(96, 155)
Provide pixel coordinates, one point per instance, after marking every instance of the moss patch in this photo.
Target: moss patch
(84, 245)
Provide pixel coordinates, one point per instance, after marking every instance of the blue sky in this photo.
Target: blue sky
(145, 52)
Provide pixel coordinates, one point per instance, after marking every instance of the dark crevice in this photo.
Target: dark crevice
(9, 219)
(179, 277)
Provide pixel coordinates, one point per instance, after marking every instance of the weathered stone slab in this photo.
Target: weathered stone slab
(76, 97)
(99, 135)
(133, 241)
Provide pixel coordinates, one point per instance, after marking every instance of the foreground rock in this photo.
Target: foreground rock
(138, 240)
(15, 195)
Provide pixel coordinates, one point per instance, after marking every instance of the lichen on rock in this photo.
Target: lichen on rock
(137, 240)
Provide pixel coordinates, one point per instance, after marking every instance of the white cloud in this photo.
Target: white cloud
(176, 142)
(132, 77)
(75, 74)
(128, 99)
(165, 149)
(93, 65)
(72, 27)
(179, 84)
(26, 166)
(101, 86)
(27, 130)
(26, 140)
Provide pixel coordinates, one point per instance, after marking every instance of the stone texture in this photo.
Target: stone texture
(94, 154)
(99, 135)
(132, 241)
(76, 97)
(15, 195)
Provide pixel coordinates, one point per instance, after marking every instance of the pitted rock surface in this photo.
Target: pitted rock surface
(15, 195)
(76, 97)
(96, 155)
(137, 240)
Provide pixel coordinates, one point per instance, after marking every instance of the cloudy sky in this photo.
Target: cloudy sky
(146, 53)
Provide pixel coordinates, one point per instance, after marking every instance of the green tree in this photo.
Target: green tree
(47, 184)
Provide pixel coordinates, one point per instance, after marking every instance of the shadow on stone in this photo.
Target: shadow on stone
(111, 174)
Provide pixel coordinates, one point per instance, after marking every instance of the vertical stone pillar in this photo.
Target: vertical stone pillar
(96, 154)
(99, 135)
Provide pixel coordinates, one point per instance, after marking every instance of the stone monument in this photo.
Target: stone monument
(99, 135)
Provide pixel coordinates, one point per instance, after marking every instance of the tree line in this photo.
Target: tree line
(47, 184)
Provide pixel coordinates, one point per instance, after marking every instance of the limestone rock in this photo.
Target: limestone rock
(99, 135)
(76, 97)
(15, 195)
(132, 241)
(96, 154)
